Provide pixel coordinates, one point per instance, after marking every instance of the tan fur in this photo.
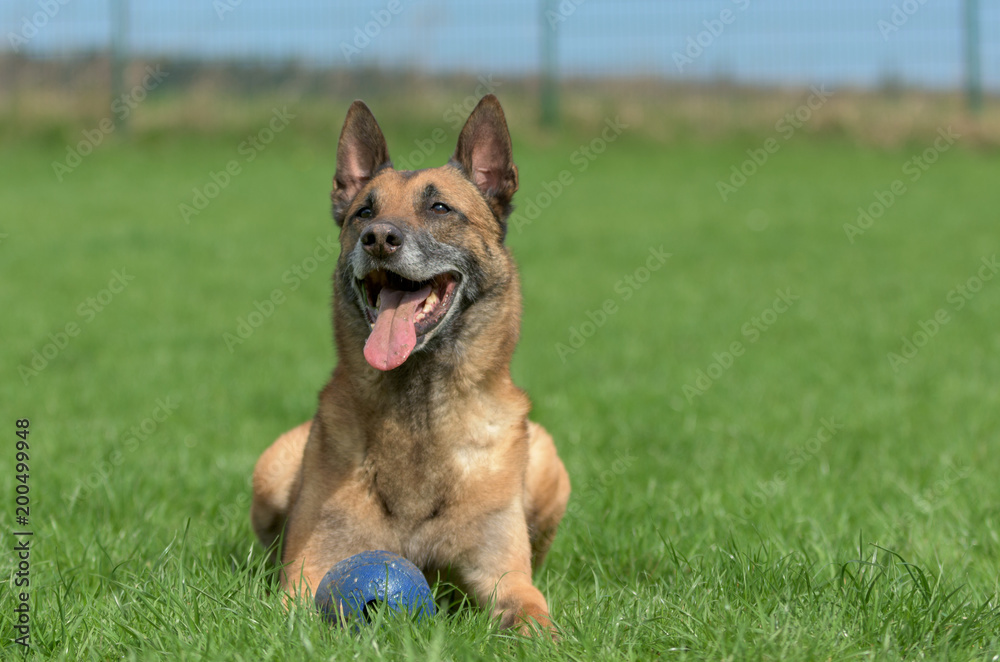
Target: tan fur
(442, 467)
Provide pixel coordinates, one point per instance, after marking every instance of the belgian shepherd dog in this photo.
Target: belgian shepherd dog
(421, 444)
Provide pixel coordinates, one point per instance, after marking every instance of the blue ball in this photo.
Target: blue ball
(371, 578)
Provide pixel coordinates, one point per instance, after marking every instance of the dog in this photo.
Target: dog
(421, 444)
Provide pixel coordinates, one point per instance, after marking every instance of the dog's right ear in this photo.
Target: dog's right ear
(361, 152)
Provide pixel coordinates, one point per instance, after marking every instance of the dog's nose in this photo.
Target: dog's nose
(381, 239)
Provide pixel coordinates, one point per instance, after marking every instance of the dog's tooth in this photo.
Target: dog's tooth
(431, 301)
(378, 300)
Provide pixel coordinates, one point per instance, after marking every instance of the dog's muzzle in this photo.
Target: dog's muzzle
(403, 313)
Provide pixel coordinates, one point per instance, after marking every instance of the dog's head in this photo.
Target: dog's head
(420, 248)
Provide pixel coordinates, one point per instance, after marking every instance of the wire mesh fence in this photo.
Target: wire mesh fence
(932, 44)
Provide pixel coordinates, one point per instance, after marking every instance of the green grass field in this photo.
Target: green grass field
(754, 476)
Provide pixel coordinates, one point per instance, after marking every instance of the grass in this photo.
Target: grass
(714, 523)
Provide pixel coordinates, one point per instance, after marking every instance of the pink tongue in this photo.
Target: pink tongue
(394, 335)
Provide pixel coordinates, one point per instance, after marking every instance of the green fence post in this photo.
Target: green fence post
(119, 52)
(973, 69)
(549, 76)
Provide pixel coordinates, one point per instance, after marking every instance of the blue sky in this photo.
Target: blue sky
(770, 41)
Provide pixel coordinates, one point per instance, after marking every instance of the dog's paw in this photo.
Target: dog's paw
(528, 620)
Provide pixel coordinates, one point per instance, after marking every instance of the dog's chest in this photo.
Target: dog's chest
(415, 480)
(407, 488)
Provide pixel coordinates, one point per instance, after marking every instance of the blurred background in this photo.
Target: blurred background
(85, 52)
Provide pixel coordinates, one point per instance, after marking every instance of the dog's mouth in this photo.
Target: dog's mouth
(402, 312)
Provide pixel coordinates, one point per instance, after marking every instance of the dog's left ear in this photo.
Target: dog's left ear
(484, 153)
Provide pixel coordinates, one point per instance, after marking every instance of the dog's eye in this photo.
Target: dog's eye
(364, 212)
(440, 208)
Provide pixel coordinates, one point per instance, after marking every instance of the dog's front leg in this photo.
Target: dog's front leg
(498, 574)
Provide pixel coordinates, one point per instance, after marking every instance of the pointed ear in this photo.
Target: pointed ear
(360, 153)
(484, 154)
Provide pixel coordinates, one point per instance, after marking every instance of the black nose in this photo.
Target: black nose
(381, 239)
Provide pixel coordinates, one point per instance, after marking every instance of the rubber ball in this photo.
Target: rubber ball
(358, 583)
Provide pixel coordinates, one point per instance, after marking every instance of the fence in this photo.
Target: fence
(936, 44)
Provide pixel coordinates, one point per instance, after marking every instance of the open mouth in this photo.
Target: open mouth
(400, 311)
